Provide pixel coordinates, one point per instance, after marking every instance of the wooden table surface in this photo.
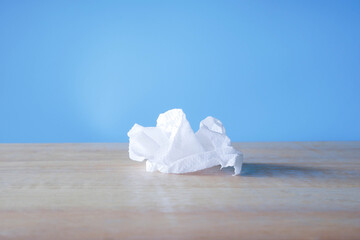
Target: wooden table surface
(289, 190)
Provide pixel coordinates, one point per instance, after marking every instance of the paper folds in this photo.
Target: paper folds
(173, 147)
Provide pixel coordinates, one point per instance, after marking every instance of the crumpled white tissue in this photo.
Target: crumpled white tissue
(173, 147)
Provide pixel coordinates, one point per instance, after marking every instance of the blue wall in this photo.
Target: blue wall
(86, 71)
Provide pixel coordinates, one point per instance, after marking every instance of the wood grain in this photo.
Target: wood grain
(289, 190)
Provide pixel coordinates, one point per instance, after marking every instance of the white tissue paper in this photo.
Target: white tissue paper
(173, 147)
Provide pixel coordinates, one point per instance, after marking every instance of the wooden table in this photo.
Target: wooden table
(289, 190)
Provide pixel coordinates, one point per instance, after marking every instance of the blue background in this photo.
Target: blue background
(86, 71)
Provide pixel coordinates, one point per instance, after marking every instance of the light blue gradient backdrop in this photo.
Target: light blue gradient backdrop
(86, 71)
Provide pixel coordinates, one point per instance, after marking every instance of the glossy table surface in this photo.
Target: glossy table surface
(288, 190)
